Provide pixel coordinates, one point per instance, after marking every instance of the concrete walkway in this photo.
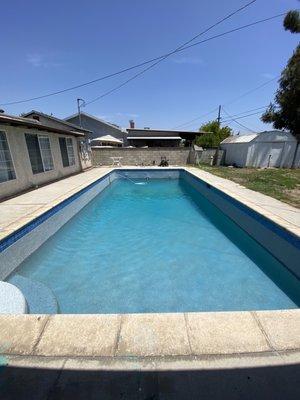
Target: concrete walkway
(19, 210)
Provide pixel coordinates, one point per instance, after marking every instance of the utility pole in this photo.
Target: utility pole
(219, 115)
(79, 110)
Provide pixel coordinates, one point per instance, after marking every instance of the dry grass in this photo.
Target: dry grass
(282, 184)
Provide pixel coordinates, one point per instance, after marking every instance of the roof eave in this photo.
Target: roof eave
(62, 121)
(40, 127)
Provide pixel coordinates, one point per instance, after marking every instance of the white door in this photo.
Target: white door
(275, 155)
(263, 155)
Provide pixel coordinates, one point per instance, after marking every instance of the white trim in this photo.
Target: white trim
(37, 135)
(70, 156)
(45, 136)
(70, 165)
(11, 155)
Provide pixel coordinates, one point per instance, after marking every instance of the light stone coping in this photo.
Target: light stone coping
(150, 341)
(142, 336)
(152, 334)
(93, 335)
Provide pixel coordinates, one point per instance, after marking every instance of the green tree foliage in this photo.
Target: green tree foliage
(292, 21)
(284, 113)
(214, 134)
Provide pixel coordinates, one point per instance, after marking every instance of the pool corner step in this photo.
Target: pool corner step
(40, 299)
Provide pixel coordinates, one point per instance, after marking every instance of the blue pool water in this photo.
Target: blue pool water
(158, 247)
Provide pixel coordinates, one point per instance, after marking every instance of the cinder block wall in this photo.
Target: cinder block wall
(207, 155)
(138, 156)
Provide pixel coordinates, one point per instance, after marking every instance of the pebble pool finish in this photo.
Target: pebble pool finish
(158, 247)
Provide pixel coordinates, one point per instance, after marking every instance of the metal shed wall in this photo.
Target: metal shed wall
(235, 153)
(273, 149)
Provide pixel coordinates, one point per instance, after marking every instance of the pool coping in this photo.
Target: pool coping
(172, 336)
(179, 336)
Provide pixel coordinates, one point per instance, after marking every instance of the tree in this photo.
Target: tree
(214, 134)
(292, 22)
(284, 113)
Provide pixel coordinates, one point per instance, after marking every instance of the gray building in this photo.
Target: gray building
(265, 149)
(97, 126)
(160, 138)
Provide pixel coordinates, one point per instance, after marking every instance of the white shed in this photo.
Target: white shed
(265, 149)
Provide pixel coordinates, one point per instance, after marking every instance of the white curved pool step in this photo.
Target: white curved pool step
(12, 300)
(40, 299)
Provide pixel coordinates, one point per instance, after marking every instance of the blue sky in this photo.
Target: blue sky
(49, 46)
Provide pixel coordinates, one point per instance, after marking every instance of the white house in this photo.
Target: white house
(265, 149)
(33, 153)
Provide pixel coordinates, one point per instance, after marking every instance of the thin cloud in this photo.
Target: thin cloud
(267, 75)
(188, 60)
(105, 117)
(127, 115)
(40, 61)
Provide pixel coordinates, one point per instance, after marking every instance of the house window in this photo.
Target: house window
(39, 151)
(67, 151)
(7, 171)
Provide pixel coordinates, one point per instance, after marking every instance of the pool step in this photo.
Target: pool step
(40, 299)
(12, 300)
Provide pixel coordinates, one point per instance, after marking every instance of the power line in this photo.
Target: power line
(227, 120)
(234, 120)
(252, 90)
(142, 63)
(195, 119)
(242, 95)
(179, 50)
(244, 116)
(168, 55)
(252, 109)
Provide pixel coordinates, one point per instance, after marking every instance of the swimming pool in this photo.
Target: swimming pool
(158, 247)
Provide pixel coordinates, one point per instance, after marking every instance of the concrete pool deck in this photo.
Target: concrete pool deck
(189, 340)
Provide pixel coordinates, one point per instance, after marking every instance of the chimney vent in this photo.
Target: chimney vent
(131, 124)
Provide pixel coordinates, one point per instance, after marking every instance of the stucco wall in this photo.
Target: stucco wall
(138, 156)
(25, 179)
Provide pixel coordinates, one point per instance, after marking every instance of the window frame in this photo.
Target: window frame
(11, 156)
(73, 151)
(70, 156)
(38, 135)
(43, 137)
